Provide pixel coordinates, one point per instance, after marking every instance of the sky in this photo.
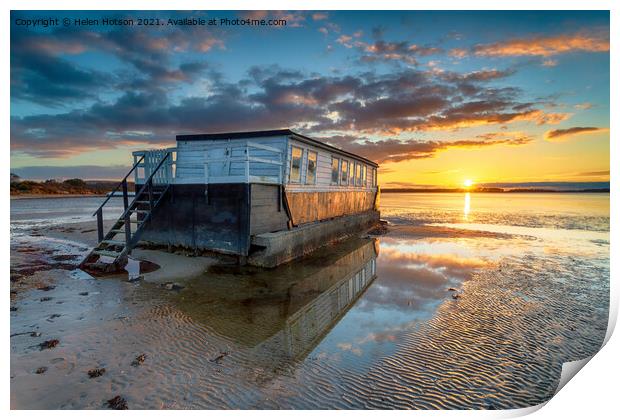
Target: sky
(436, 98)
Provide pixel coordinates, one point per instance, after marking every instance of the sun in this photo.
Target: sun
(468, 183)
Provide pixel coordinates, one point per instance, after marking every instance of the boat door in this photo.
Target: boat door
(217, 162)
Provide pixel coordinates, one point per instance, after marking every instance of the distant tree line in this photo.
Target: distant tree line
(73, 186)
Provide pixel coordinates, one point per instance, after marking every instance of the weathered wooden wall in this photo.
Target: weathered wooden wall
(265, 213)
(306, 207)
(191, 156)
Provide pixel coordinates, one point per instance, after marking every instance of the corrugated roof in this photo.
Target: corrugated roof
(271, 133)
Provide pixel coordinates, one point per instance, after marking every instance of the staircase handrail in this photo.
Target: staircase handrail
(146, 183)
(119, 185)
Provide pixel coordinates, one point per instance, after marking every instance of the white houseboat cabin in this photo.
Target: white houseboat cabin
(222, 192)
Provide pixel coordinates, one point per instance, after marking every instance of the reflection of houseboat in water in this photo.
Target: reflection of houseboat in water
(265, 196)
(284, 312)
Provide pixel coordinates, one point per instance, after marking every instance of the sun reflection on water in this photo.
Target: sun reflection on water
(467, 206)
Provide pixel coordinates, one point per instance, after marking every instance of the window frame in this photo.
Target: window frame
(351, 173)
(301, 160)
(358, 174)
(316, 165)
(332, 182)
(346, 180)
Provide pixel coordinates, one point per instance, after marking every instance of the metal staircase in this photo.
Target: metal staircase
(111, 254)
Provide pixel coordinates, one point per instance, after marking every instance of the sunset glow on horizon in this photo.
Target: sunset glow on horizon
(454, 99)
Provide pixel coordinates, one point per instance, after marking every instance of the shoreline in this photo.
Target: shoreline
(34, 196)
(386, 191)
(522, 191)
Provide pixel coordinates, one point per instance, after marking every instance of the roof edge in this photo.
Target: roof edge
(272, 133)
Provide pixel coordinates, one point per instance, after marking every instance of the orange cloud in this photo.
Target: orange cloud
(564, 134)
(396, 150)
(209, 43)
(463, 120)
(541, 118)
(584, 106)
(255, 14)
(458, 52)
(345, 40)
(545, 46)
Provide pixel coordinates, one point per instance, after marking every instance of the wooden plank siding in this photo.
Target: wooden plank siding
(311, 206)
(310, 202)
(191, 156)
(265, 214)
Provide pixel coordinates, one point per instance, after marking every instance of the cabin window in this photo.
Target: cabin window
(296, 154)
(358, 174)
(311, 169)
(374, 177)
(335, 165)
(351, 173)
(344, 172)
(364, 180)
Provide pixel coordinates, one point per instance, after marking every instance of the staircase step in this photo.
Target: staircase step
(113, 242)
(106, 253)
(151, 196)
(122, 223)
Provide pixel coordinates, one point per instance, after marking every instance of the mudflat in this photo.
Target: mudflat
(466, 302)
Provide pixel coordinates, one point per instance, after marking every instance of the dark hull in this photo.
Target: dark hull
(225, 217)
(215, 218)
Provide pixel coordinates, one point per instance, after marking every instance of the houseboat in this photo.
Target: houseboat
(266, 197)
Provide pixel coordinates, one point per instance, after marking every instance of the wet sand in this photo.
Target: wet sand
(78, 238)
(421, 317)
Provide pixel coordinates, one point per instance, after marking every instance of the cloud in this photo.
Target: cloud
(594, 173)
(584, 106)
(458, 53)
(380, 50)
(545, 46)
(396, 150)
(319, 16)
(563, 134)
(272, 97)
(155, 94)
(550, 63)
(44, 69)
(254, 14)
(477, 76)
(51, 81)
